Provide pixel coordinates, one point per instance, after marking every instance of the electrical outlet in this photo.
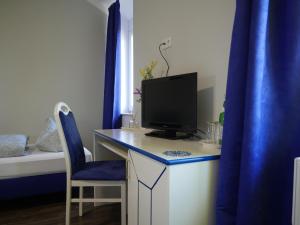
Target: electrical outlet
(168, 43)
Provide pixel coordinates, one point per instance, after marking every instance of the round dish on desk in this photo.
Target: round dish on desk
(175, 153)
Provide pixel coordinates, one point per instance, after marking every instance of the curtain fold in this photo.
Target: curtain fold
(262, 119)
(111, 106)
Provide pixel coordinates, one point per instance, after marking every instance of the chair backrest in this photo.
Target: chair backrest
(70, 138)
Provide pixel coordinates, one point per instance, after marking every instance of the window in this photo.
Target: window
(126, 66)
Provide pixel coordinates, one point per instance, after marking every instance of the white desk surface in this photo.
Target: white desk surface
(154, 148)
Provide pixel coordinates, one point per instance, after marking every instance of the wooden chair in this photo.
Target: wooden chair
(86, 174)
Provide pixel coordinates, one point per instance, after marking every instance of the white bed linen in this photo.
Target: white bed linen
(35, 163)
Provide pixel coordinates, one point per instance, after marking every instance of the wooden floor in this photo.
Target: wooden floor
(51, 211)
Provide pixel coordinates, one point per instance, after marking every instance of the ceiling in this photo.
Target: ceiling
(126, 6)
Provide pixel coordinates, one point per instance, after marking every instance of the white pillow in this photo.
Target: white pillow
(49, 140)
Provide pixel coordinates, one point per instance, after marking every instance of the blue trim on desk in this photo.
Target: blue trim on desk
(138, 205)
(157, 158)
(150, 188)
(158, 178)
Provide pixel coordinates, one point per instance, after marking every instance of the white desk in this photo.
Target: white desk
(163, 190)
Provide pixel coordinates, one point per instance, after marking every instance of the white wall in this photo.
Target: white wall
(51, 50)
(126, 6)
(201, 35)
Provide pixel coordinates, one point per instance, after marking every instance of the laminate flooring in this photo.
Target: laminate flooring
(50, 210)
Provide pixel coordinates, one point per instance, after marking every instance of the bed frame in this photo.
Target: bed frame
(32, 186)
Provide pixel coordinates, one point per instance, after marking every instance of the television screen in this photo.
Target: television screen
(170, 103)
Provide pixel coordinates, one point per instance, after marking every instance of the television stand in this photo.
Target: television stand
(168, 134)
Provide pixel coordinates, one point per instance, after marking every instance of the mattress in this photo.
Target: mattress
(35, 163)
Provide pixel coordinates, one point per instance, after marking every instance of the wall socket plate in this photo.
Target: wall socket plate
(168, 43)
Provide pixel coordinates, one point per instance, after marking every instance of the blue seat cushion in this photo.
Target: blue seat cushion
(102, 170)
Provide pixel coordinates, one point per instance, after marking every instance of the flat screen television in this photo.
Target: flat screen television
(169, 105)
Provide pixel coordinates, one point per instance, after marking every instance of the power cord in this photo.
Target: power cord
(200, 134)
(202, 131)
(159, 48)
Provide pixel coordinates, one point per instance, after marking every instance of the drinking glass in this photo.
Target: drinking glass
(214, 132)
(211, 132)
(218, 133)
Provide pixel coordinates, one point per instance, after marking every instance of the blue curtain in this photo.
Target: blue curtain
(262, 115)
(111, 106)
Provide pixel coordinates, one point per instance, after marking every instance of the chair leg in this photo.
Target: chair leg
(123, 204)
(95, 204)
(80, 197)
(68, 203)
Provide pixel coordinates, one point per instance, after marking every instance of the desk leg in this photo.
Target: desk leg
(94, 159)
(132, 194)
(98, 191)
(101, 153)
(94, 147)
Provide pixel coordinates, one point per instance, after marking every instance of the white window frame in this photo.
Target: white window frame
(126, 66)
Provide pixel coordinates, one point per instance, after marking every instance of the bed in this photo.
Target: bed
(36, 173)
